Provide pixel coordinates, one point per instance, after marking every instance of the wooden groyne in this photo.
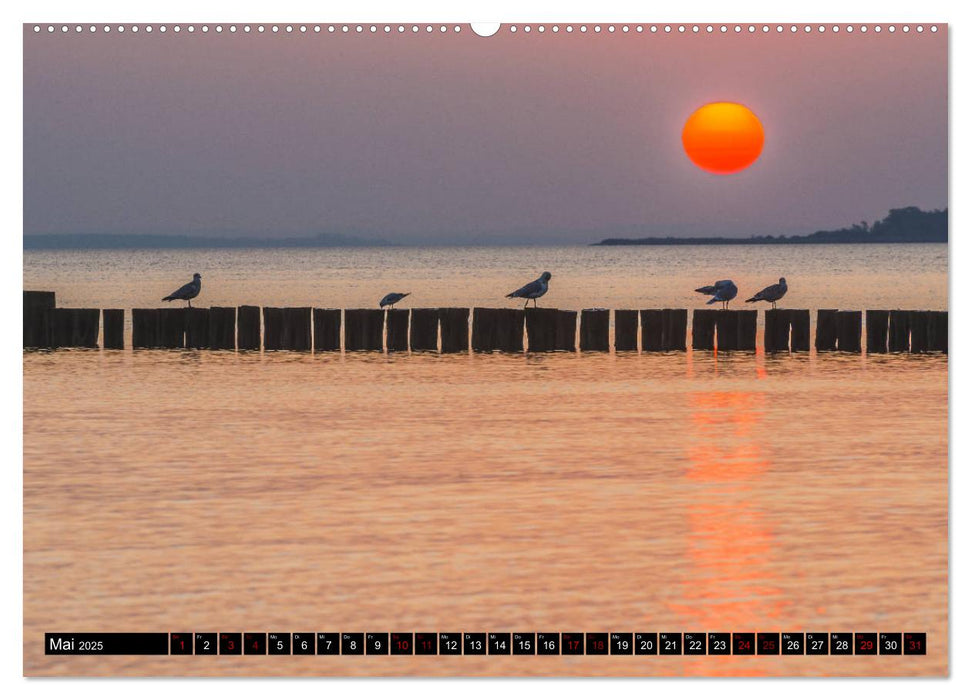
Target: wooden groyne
(787, 330)
(498, 330)
(725, 330)
(665, 329)
(460, 330)
(548, 330)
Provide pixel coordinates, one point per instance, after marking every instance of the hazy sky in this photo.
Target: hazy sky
(455, 137)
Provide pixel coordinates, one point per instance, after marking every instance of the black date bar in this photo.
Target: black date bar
(106, 643)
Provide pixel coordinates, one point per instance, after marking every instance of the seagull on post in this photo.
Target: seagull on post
(772, 293)
(534, 290)
(721, 291)
(392, 299)
(187, 291)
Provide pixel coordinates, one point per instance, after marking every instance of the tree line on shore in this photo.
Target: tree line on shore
(904, 225)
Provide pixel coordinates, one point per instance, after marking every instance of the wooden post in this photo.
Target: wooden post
(850, 330)
(566, 330)
(674, 335)
(799, 325)
(726, 330)
(327, 330)
(826, 329)
(541, 329)
(113, 329)
(38, 307)
(397, 325)
(485, 329)
(455, 329)
(747, 324)
(877, 326)
(595, 330)
(918, 331)
(286, 328)
(363, 329)
(652, 330)
(222, 328)
(937, 331)
(703, 329)
(87, 327)
(625, 330)
(296, 324)
(248, 324)
(171, 328)
(899, 331)
(510, 325)
(497, 329)
(273, 327)
(424, 329)
(484, 322)
(197, 327)
(75, 328)
(510, 330)
(144, 328)
(777, 326)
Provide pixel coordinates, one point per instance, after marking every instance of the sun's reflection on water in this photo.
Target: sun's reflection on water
(731, 585)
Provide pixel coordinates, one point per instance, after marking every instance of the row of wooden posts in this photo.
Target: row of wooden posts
(450, 330)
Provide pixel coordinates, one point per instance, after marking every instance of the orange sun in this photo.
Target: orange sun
(723, 137)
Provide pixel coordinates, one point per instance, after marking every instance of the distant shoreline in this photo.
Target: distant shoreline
(794, 240)
(681, 242)
(120, 241)
(906, 225)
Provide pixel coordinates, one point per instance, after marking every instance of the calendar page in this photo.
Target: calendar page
(524, 349)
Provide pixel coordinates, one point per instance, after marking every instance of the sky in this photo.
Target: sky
(454, 138)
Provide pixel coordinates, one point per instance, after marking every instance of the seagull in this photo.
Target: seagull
(722, 290)
(392, 299)
(772, 293)
(187, 291)
(534, 290)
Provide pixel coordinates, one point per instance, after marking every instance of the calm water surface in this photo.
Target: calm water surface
(819, 276)
(228, 491)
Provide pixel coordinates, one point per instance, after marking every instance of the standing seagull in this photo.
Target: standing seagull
(534, 290)
(187, 291)
(722, 290)
(772, 293)
(392, 299)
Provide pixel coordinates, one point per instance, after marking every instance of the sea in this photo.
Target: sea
(223, 491)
